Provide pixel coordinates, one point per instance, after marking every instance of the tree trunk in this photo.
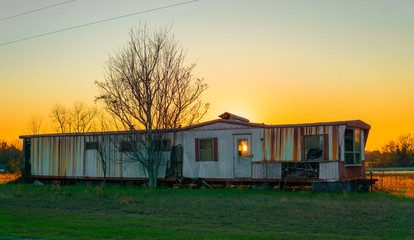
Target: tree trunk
(152, 177)
(152, 180)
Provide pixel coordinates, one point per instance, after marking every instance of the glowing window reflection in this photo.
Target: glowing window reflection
(243, 148)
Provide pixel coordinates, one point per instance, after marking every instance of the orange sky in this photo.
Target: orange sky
(271, 61)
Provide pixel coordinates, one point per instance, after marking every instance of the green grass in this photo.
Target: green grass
(88, 212)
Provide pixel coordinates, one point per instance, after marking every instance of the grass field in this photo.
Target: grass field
(129, 212)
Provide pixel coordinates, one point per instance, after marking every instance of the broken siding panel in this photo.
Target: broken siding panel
(258, 170)
(329, 170)
(266, 170)
(285, 144)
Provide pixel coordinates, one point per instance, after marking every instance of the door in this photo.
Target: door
(242, 145)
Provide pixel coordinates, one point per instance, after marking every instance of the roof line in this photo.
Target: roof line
(350, 123)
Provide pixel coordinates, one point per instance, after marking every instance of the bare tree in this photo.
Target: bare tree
(60, 115)
(108, 122)
(83, 117)
(148, 86)
(35, 124)
(78, 119)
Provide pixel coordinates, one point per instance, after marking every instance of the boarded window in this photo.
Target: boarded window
(206, 149)
(126, 146)
(91, 145)
(352, 147)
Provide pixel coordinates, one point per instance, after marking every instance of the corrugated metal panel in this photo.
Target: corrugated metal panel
(57, 156)
(66, 156)
(329, 170)
(267, 170)
(284, 144)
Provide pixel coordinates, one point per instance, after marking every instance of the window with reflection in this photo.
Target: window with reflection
(352, 147)
(243, 148)
(206, 149)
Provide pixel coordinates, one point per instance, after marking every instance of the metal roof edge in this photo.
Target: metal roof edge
(350, 123)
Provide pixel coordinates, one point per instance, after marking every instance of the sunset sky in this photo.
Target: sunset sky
(276, 62)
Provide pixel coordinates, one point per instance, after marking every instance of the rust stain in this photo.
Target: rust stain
(285, 144)
(334, 144)
(280, 149)
(272, 144)
(295, 144)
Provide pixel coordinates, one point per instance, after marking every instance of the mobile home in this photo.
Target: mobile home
(228, 149)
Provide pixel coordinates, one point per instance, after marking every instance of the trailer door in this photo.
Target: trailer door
(242, 145)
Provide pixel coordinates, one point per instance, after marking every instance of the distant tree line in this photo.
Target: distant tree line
(396, 153)
(11, 155)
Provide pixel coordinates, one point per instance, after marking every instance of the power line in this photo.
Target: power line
(35, 10)
(93, 23)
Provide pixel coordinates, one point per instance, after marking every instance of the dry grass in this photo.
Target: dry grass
(395, 183)
(8, 177)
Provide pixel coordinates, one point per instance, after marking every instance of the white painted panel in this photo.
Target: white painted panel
(224, 168)
(267, 170)
(208, 170)
(91, 163)
(258, 170)
(329, 170)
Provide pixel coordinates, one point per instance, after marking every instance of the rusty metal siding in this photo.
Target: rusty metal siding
(57, 156)
(66, 156)
(284, 144)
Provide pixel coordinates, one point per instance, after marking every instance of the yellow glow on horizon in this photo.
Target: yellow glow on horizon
(312, 64)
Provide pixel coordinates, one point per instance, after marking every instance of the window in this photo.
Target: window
(206, 149)
(243, 148)
(126, 146)
(91, 145)
(315, 148)
(352, 147)
(161, 145)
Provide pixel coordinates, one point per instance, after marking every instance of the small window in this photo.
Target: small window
(352, 147)
(126, 146)
(206, 149)
(243, 148)
(91, 145)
